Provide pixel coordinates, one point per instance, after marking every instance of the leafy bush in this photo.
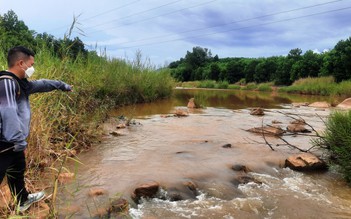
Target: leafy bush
(234, 86)
(222, 85)
(337, 140)
(250, 86)
(265, 87)
(207, 84)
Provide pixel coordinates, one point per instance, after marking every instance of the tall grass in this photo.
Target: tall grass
(67, 122)
(337, 140)
(319, 86)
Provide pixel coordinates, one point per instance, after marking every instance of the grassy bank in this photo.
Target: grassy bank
(337, 140)
(66, 123)
(226, 85)
(325, 86)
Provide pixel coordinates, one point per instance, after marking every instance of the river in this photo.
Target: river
(174, 151)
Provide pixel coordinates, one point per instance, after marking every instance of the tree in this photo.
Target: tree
(341, 58)
(235, 71)
(14, 32)
(214, 71)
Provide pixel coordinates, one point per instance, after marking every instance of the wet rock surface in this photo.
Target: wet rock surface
(147, 190)
(257, 112)
(322, 104)
(268, 130)
(305, 162)
(239, 167)
(295, 128)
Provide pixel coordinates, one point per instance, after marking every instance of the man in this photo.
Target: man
(15, 120)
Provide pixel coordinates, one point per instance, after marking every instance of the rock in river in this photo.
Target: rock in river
(305, 162)
(147, 190)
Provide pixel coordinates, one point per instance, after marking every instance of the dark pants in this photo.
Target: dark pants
(13, 165)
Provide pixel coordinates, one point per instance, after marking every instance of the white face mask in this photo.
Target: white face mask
(29, 72)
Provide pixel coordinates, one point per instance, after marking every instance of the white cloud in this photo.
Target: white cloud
(165, 30)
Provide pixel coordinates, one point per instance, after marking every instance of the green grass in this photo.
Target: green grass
(207, 84)
(324, 86)
(337, 140)
(250, 86)
(267, 87)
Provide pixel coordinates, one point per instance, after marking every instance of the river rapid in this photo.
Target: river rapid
(173, 151)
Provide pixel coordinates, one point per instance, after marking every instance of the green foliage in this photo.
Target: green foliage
(207, 84)
(337, 140)
(265, 87)
(14, 32)
(222, 85)
(314, 86)
(283, 70)
(250, 86)
(234, 87)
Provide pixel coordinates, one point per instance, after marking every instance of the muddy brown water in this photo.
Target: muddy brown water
(173, 151)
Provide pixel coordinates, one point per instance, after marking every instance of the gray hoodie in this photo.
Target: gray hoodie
(15, 109)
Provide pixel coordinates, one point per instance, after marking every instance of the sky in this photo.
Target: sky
(163, 31)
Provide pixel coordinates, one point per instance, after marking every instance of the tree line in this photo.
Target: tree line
(14, 32)
(199, 64)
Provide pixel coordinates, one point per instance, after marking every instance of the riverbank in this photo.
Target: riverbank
(64, 124)
(202, 150)
(325, 86)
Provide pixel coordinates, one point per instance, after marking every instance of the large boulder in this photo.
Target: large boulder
(305, 162)
(147, 190)
(320, 105)
(346, 104)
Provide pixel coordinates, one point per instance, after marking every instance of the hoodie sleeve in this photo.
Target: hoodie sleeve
(45, 85)
(10, 122)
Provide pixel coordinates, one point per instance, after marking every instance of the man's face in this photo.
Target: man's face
(25, 64)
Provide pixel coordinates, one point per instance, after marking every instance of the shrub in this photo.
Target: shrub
(234, 86)
(265, 87)
(222, 85)
(250, 86)
(337, 139)
(207, 84)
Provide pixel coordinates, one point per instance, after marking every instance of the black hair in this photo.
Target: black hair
(17, 53)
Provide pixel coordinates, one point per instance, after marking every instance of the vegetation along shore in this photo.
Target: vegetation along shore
(65, 124)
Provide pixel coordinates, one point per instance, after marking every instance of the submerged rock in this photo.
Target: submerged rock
(244, 179)
(147, 190)
(96, 192)
(320, 105)
(300, 104)
(298, 121)
(305, 162)
(114, 133)
(268, 130)
(295, 128)
(181, 113)
(239, 167)
(227, 146)
(117, 207)
(257, 111)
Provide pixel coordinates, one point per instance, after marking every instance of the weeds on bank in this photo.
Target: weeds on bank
(66, 123)
(337, 140)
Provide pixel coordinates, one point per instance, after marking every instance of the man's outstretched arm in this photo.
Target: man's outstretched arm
(45, 85)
